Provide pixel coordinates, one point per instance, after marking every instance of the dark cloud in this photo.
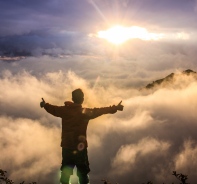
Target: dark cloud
(20, 17)
(66, 27)
(42, 42)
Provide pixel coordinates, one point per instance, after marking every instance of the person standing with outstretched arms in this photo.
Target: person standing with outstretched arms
(74, 144)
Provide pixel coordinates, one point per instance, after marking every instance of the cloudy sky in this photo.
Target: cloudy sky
(49, 48)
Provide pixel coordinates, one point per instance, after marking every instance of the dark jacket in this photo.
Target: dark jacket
(75, 121)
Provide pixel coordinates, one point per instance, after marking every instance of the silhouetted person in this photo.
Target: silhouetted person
(74, 145)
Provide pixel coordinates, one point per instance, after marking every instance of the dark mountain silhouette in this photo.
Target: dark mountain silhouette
(170, 79)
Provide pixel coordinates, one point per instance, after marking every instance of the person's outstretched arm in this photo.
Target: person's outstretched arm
(94, 113)
(52, 109)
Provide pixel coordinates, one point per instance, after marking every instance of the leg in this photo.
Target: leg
(83, 178)
(67, 165)
(65, 174)
(83, 169)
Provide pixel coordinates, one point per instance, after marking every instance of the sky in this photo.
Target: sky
(49, 48)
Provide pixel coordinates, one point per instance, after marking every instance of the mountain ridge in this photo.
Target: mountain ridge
(169, 78)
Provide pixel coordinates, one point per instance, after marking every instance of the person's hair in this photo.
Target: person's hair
(77, 96)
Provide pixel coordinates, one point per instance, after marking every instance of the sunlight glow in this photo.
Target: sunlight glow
(182, 36)
(119, 34)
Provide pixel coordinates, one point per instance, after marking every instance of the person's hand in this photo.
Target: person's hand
(42, 104)
(120, 106)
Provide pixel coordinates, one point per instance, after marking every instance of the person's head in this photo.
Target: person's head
(77, 96)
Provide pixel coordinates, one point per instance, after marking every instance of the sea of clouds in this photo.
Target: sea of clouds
(153, 136)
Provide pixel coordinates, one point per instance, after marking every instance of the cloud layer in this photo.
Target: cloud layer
(154, 135)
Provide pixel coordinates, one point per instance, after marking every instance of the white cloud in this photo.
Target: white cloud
(185, 161)
(127, 156)
(28, 148)
(150, 130)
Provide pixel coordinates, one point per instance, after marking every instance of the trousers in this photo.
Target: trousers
(72, 158)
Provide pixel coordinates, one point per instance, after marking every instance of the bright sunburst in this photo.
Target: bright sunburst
(119, 34)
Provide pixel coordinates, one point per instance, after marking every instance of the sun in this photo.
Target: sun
(119, 34)
(116, 34)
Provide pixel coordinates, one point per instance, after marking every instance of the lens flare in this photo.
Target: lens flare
(81, 146)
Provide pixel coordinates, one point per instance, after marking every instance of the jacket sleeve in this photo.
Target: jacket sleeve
(57, 111)
(96, 112)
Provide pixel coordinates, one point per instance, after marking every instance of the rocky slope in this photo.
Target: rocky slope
(169, 80)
